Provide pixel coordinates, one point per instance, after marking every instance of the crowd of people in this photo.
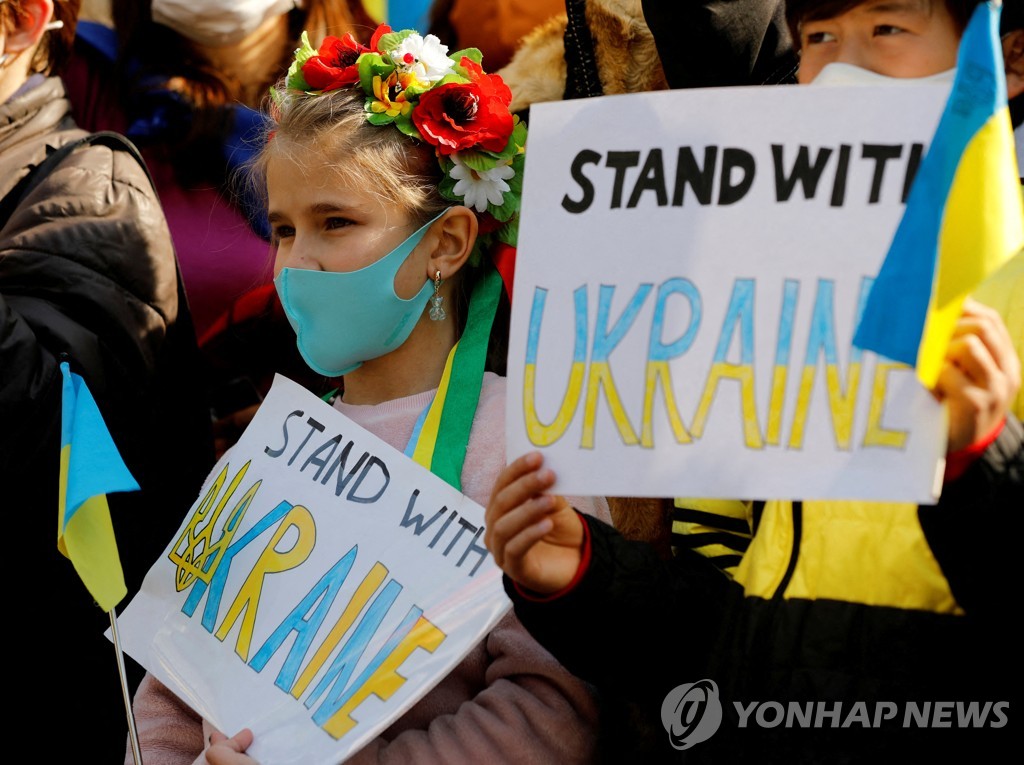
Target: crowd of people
(175, 270)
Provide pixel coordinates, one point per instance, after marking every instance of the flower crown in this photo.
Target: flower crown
(448, 102)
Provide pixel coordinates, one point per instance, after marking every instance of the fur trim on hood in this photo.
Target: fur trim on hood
(624, 50)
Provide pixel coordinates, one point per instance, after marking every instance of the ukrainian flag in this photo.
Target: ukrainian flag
(409, 14)
(90, 468)
(963, 217)
(378, 9)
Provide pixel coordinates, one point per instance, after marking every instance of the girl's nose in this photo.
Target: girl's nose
(296, 256)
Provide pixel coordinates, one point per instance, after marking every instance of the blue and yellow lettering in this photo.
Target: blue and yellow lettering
(305, 619)
(739, 313)
(659, 354)
(601, 377)
(538, 432)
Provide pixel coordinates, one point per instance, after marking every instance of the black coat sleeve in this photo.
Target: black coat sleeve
(87, 269)
(986, 503)
(635, 624)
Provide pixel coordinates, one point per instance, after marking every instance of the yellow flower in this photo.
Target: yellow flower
(385, 103)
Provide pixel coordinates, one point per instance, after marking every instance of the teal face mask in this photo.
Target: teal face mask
(344, 319)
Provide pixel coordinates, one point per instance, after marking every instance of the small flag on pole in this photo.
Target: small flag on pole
(963, 217)
(90, 468)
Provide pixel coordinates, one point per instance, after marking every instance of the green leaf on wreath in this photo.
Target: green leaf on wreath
(382, 118)
(473, 54)
(478, 160)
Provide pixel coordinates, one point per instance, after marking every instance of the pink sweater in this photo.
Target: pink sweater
(509, 701)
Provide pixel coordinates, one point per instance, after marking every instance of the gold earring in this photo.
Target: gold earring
(437, 312)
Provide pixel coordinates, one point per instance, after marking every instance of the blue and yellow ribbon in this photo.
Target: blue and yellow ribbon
(449, 418)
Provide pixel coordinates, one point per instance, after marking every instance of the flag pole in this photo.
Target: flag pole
(133, 734)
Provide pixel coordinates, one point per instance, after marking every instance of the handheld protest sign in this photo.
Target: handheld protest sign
(319, 586)
(690, 271)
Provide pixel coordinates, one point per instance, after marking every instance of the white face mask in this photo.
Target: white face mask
(218, 22)
(838, 73)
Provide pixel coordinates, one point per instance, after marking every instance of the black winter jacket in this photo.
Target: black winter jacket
(899, 608)
(87, 269)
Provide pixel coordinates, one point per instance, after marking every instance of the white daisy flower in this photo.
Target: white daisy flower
(480, 188)
(426, 57)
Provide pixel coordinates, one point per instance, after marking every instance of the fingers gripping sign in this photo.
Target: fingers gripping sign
(535, 537)
(980, 375)
(230, 751)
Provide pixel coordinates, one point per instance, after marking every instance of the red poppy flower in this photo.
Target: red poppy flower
(378, 33)
(492, 84)
(334, 66)
(459, 116)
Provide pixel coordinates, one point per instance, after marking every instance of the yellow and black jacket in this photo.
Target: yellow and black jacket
(818, 602)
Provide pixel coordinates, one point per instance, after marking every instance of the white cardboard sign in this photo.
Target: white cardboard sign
(689, 274)
(320, 585)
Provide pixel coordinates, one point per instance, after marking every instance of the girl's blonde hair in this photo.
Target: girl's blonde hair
(331, 130)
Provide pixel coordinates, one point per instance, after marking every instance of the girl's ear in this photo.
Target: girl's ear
(455, 233)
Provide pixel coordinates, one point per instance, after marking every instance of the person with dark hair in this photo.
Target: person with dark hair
(952, 14)
(185, 80)
(839, 607)
(87, 274)
(191, 78)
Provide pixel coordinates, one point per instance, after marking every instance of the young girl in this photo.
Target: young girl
(384, 265)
